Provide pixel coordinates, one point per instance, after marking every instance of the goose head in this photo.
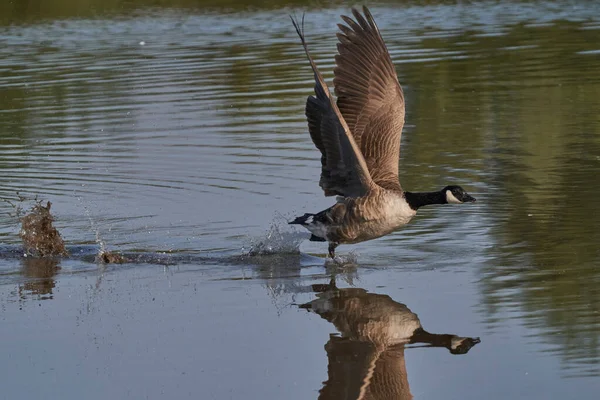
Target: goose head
(462, 345)
(454, 194)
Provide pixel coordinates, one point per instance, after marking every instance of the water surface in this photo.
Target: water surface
(175, 134)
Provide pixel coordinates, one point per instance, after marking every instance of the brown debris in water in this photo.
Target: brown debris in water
(108, 257)
(39, 235)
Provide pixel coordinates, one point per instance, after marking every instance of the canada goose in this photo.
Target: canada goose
(359, 140)
(366, 361)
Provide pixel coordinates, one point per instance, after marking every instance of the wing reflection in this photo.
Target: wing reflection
(366, 361)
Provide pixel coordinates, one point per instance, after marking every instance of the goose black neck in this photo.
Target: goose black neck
(433, 339)
(416, 200)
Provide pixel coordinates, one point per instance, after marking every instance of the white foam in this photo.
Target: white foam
(344, 260)
(278, 240)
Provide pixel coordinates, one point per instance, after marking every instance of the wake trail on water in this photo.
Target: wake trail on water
(41, 239)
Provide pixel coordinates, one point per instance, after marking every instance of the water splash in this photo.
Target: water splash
(104, 255)
(99, 241)
(38, 233)
(278, 240)
(344, 260)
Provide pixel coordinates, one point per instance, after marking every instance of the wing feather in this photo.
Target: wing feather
(343, 169)
(370, 98)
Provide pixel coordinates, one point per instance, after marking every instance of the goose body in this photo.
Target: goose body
(359, 139)
(356, 219)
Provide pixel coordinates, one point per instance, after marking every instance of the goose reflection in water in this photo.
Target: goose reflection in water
(367, 360)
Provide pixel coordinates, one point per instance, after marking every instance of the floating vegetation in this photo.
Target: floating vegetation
(40, 237)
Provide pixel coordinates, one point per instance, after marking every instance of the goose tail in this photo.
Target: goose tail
(308, 221)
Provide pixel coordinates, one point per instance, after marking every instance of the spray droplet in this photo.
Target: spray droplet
(276, 241)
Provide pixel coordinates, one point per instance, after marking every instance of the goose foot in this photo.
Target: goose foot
(332, 247)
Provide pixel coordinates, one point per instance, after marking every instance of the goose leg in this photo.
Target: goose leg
(332, 247)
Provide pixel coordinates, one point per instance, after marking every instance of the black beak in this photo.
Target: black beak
(469, 199)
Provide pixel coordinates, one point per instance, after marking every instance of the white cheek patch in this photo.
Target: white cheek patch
(451, 199)
(456, 341)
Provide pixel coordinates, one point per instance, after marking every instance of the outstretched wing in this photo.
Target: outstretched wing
(343, 169)
(369, 96)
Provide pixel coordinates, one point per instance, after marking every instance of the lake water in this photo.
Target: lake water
(176, 135)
